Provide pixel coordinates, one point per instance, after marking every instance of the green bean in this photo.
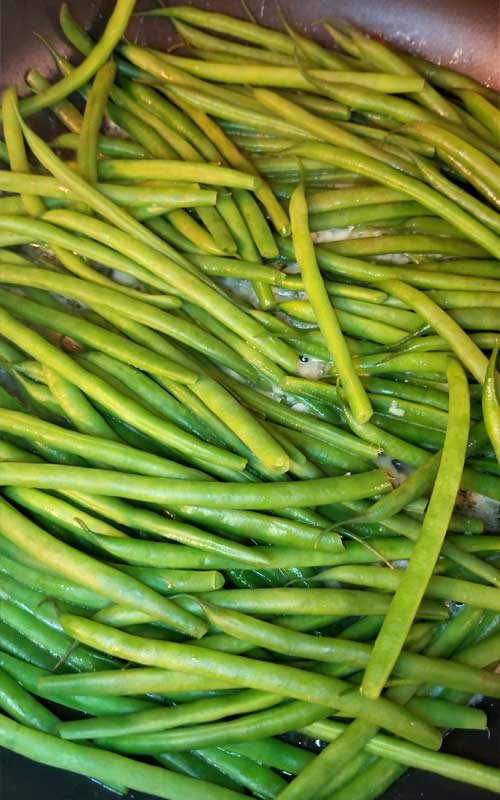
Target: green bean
(377, 53)
(176, 118)
(415, 485)
(391, 139)
(86, 571)
(295, 283)
(447, 78)
(491, 404)
(241, 422)
(244, 269)
(289, 77)
(92, 336)
(274, 753)
(327, 456)
(164, 170)
(128, 515)
(132, 100)
(389, 580)
(99, 55)
(475, 166)
(137, 680)
(418, 412)
(39, 397)
(92, 119)
(460, 343)
(64, 110)
(444, 714)
(252, 676)
(22, 707)
(67, 591)
(336, 199)
(15, 148)
(9, 452)
(415, 243)
(325, 129)
(355, 269)
(130, 380)
(355, 324)
(390, 639)
(367, 97)
(192, 764)
(237, 496)
(325, 648)
(113, 146)
(164, 718)
(83, 416)
(157, 554)
(77, 266)
(269, 39)
(225, 110)
(425, 195)
(54, 641)
(312, 779)
(260, 780)
(197, 38)
(168, 581)
(125, 408)
(29, 677)
(87, 248)
(484, 111)
(462, 198)
(93, 448)
(23, 648)
(105, 766)
(301, 601)
(461, 300)
(329, 325)
(304, 423)
(269, 529)
(94, 198)
(372, 781)
(122, 194)
(237, 160)
(254, 726)
(362, 215)
(197, 291)
(411, 755)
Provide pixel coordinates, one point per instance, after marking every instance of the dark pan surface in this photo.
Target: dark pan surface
(464, 34)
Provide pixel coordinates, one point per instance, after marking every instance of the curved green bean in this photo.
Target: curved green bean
(398, 620)
(491, 404)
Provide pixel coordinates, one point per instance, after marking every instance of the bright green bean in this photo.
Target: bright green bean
(426, 551)
(461, 344)
(327, 320)
(88, 572)
(92, 336)
(491, 404)
(425, 195)
(92, 119)
(14, 142)
(319, 491)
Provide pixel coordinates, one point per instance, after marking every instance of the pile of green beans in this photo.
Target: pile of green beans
(249, 412)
